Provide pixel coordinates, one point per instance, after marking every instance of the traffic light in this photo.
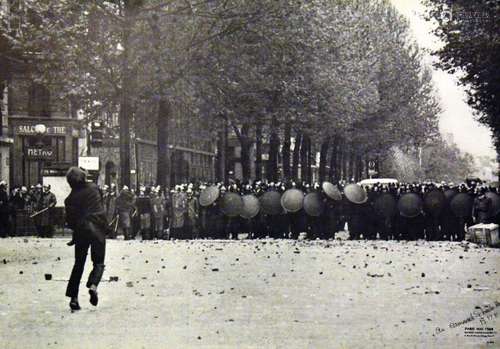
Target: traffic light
(93, 175)
(97, 133)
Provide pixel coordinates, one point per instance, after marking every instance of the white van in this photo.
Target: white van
(372, 181)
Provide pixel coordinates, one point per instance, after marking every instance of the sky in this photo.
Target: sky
(457, 117)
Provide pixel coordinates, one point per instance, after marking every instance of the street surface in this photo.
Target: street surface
(254, 294)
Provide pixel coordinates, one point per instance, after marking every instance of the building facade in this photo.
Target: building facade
(191, 148)
(5, 140)
(7, 59)
(38, 130)
(44, 130)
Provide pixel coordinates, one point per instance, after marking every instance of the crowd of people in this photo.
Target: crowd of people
(381, 211)
(24, 207)
(180, 214)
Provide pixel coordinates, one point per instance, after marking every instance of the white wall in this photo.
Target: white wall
(4, 163)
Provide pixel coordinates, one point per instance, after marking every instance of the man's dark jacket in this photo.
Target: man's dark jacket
(85, 212)
(4, 201)
(482, 208)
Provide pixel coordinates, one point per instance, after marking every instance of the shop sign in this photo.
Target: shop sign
(37, 153)
(30, 130)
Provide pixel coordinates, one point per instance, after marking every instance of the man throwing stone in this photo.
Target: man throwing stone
(86, 216)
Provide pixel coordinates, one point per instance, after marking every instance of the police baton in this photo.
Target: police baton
(42, 211)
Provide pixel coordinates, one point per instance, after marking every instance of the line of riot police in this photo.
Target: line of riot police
(283, 210)
(24, 208)
(393, 211)
(289, 210)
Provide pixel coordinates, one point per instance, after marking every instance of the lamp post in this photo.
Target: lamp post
(171, 175)
(40, 131)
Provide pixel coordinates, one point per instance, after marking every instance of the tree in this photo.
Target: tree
(323, 75)
(243, 76)
(116, 55)
(371, 85)
(470, 32)
(84, 48)
(436, 161)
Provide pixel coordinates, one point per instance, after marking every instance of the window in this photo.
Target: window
(39, 100)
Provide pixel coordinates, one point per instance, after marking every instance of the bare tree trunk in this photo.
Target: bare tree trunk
(164, 112)
(323, 156)
(340, 152)
(2, 87)
(303, 159)
(296, 158)
(225, 145)
(333, 173)
(221, 156)
(125, 114)
(343, 153)
(350, 173)
(310, 160)
(274, 145)
(359, 167)
(258, 149)
(246, 144)
(286, 151)
(341, 159)
(163, 168)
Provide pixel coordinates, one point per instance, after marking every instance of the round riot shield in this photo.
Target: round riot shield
(332, 191)
(209, 195)
(410, 205)
(449, 194)
(231, 204)
(434, 202)
(251, 206)
(495, 203)
(461, 205)
(313, 204)
(292, 200)
(385, 205)
(355, 194)
(270, 203)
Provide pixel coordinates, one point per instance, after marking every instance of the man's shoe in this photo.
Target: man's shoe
(93, 296)
(71, 243)
(73, 304)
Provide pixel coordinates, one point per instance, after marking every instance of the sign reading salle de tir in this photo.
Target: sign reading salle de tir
(30, 130)
(36, 153)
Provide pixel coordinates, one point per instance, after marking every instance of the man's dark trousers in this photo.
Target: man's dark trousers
(97, 252)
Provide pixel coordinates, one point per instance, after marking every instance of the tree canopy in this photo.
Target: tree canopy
(470, 32)
(340, 77)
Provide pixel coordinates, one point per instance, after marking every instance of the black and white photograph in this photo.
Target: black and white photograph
(249, 174)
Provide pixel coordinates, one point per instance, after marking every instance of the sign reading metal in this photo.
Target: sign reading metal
(30, 130)
(37, 153)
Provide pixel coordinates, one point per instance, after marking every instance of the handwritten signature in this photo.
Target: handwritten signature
(485, 314)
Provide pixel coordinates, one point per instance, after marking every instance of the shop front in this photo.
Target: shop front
(41, 143)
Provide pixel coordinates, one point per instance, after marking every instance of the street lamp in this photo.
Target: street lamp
(75, 133)
(40, 131)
